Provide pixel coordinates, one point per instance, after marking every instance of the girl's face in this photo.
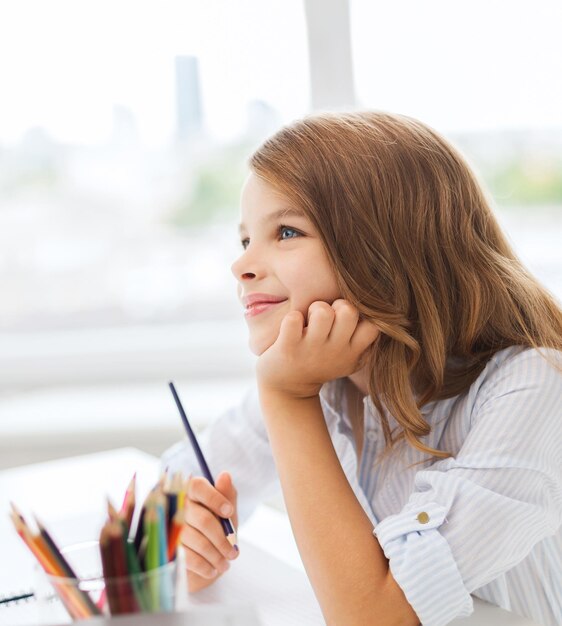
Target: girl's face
(283, 266)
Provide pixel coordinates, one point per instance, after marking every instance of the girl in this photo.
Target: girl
(409, 383)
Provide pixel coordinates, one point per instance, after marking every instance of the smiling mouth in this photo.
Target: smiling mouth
(257, 308)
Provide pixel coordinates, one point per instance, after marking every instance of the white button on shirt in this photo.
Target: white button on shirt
(487, 521)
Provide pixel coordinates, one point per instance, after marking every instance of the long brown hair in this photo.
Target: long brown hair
(416, 248)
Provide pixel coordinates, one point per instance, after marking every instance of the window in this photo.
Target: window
(124, 128)
(124, 131)
(485, 74)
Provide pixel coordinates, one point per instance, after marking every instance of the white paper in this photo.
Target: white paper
(281, 594)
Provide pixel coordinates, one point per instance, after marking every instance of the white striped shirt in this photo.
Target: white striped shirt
(493, 511)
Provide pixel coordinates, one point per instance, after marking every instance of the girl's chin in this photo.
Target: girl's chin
(258, 345)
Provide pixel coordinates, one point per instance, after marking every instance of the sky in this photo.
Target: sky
(64, 64)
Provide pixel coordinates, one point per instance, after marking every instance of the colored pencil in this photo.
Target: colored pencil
(173, 496)
(135, 572)
(174, 534)
(171, 508)
(71, 602)
(152, 558)
(111, 511)
(139, 534)
(55, 564)
(108, 568)
(57, 555)
(128, 506)
(67, 570)
(183, 492)
(226, 524)
(165, 589)
(122, 582)
(160, 503)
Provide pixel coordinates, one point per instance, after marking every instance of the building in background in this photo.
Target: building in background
(188, 99)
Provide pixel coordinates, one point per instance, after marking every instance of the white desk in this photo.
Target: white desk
(43, 489)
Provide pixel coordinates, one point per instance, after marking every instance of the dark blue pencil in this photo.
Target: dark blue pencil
(226, 524)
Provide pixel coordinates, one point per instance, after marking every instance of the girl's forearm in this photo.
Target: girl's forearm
(342, 557)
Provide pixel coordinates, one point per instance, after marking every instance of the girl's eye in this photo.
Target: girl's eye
(283, 233)
(286, 232)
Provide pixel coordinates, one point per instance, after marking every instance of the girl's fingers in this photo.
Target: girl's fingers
(346, 321)
(197, 543)
(291, 329)
(194, 562)
(200, 490)
(206, 523)
(364, 335)
(321, 318)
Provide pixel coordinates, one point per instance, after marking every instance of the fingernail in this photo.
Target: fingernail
(213, 573)
(226, 510)
(224, 567)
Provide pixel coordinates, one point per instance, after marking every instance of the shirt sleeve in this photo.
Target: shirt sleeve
(236, 442)
(474, 516)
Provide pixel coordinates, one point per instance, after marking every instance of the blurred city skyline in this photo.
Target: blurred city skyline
(125, 129)
(65, 66)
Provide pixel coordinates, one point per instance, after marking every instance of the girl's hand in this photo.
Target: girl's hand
(207, 551)
(303, 357)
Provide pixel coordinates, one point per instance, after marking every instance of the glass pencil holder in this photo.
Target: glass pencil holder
(90, 593)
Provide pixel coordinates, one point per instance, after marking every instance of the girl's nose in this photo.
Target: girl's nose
(243, 269)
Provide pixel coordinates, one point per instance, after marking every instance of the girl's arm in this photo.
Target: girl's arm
(344, 561)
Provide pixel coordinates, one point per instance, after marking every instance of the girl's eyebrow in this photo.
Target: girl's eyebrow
(276, 215)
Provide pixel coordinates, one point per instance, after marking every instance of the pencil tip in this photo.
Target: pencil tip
(16, 512)
(111, 510)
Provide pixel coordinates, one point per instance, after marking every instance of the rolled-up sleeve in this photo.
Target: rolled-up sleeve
(476, 515)
(422, 563)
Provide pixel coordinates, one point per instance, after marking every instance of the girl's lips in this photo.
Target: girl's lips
(260, 307)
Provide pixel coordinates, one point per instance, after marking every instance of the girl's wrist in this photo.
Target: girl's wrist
(287, 391)
(277, 403)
